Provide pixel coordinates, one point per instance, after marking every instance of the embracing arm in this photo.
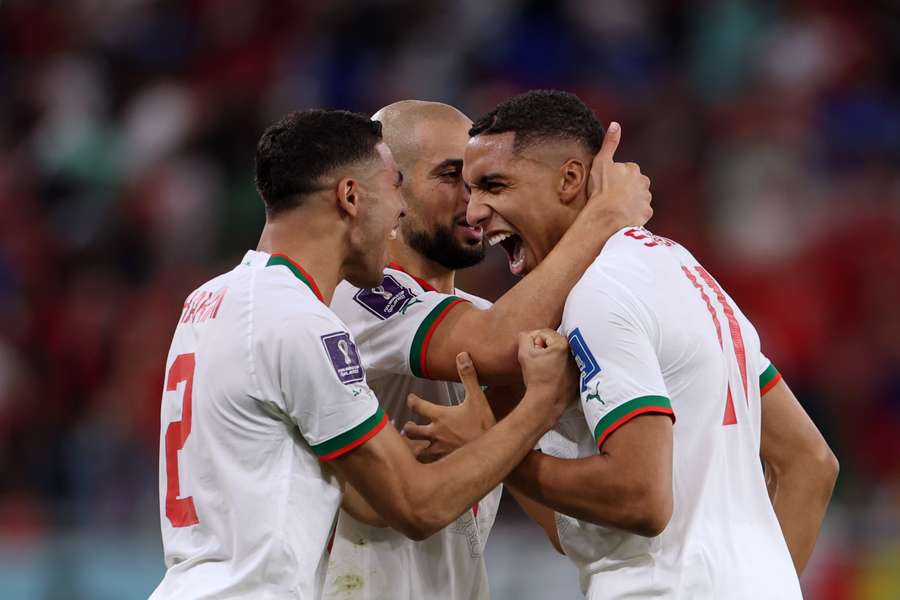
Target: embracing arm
(419, 499)
(627, 486)
(800, 468)
(620, 197)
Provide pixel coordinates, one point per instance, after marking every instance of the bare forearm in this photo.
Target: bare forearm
(357, 507)
(560, 485)
(800, 498)
(451, 485)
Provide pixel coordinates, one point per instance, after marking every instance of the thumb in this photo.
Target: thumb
(467, 375)
(610, 142)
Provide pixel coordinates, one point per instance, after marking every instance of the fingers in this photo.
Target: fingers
(467, 375)
(541, 339)
(418, 446)
(414, 431)
(422, 407)
(610, 142)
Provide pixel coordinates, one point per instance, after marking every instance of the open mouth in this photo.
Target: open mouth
(514, 248)
(474, 232)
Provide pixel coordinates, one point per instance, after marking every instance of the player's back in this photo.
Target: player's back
(723, 540)
(246, 508)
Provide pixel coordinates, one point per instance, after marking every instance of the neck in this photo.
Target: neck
(438, 276)
(309, 241)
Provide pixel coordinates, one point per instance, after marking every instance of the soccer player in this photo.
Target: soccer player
(266, 410)
(649, 506)
(415, 322)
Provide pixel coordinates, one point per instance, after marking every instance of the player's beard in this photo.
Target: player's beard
(440, 246)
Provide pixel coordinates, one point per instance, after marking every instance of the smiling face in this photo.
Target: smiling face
(380, 206)
(431, 156)
(515, 197)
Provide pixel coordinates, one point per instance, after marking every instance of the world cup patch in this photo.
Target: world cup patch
(586, 362)
(386, 299)
(343, 355)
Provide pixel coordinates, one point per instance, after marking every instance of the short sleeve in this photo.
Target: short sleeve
(323, 385)
(769, 376)
(610, 339)
(393, 323)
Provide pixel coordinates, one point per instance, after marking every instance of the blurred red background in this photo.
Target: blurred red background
(770, 130)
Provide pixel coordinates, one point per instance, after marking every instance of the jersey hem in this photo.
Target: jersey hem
(768, 379)
(356, 436)
(629, 410)
(418, 352)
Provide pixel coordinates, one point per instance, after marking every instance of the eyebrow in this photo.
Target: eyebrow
(457, 163)
(490, 178)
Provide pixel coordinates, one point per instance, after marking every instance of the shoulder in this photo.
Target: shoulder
(476, 301)
(284, 306)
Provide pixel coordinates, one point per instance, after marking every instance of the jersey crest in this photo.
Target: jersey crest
(344, 358)
(386, 299)
(586, 362)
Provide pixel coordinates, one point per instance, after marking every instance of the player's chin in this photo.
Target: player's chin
(367, 274)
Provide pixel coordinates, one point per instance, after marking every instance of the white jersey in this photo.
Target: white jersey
(393, 324)
(263, 383)
(652, 331)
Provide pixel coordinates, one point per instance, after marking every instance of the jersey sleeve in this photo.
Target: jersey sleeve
(322, 384)
(393, 323)
(769, 376)
(610, 336)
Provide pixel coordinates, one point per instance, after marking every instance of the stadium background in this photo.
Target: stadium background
(771, 131)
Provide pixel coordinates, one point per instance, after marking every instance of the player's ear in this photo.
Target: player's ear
(348, 196)
(573, 176)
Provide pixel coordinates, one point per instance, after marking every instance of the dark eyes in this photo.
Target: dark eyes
(453, 174)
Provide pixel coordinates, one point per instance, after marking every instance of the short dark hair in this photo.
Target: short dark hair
(294, 153)
(541, 115)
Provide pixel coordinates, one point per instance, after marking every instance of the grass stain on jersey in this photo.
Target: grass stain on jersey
(348, 583)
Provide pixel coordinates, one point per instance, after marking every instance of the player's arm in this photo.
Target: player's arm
(452, 427)
(620, 197)
(627, 486)
(419, 499)
(801, 470)
(541, 515)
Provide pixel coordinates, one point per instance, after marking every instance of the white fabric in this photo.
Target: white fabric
(264, 391)
(369, 563)
(650, 332)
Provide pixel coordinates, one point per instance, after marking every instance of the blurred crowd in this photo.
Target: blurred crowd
(770, 130)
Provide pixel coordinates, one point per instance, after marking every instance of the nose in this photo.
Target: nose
(477, 212)
(403, 206)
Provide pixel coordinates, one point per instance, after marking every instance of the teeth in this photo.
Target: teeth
(497, 238)
(393, 234)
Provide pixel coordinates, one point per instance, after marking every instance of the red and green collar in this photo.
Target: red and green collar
(298, 271)
(425, 285)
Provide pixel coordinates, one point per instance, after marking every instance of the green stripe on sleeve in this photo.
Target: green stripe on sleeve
(628, 410)
(767, 376)
(423, 335)
(345, 441)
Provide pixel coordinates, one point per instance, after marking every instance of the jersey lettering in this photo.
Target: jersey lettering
(180, 511)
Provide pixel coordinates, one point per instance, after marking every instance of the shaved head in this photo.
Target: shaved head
(407, 126)
(428, 140)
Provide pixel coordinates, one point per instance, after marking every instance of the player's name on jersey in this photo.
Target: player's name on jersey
(202, 305)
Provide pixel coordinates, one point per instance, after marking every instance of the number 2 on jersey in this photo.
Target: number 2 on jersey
(179, 511)
(737, 339)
